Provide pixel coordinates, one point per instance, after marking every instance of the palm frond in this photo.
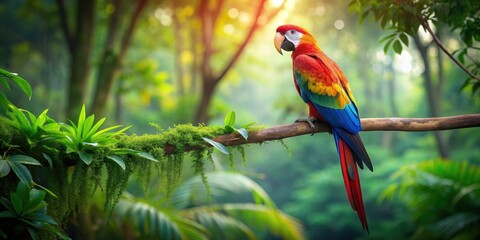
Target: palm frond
(224, 187)
(150, 220)
(219, 225)
(444, 196)
(260, 219)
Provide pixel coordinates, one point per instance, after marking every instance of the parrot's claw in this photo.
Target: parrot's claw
(309, 120)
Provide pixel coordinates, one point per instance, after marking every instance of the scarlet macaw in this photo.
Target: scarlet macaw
(322, 85)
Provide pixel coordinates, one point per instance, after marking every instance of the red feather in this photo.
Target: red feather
(352, 185)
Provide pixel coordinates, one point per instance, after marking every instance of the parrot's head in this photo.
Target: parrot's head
(290, 37)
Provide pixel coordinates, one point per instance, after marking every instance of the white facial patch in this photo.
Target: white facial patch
(293, 36)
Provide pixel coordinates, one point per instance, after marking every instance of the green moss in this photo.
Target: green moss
(74, 182)
(285, 146)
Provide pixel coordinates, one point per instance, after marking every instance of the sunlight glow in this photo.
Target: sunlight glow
(339, 24)
(277, 3)
(244, 17)
(233, 13)
(320, 10)
(164, 16)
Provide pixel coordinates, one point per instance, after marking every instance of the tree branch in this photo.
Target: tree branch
(130, 28)
(242, 46)
(439, 44)
(369, 124)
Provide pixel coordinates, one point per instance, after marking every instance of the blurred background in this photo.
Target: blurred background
(192, 61)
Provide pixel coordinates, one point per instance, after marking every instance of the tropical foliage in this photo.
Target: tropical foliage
(443, 196)
(408, 17)
(18, 81)
(237, 208)
(24, 214)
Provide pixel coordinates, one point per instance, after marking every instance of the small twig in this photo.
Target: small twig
(439, 44)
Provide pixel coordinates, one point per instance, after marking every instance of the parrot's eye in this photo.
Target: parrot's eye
(292, 32)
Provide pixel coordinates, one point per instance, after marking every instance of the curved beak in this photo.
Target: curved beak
(278, 40)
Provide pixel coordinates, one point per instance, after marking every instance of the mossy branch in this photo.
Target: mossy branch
(369, 124)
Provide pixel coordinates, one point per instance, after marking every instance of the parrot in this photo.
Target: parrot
(324, 88)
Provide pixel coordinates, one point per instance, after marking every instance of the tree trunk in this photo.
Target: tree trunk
(111, 61)
(433, 96)
(179, 41)
(208, 88)
(80, 57)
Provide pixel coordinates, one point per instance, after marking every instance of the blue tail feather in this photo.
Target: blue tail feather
(355, 143)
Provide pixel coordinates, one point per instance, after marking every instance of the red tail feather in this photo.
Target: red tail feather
(352, 181)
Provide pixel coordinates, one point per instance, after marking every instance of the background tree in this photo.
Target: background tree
(80, 42)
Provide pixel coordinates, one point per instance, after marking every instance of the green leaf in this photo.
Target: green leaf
(7, 204)
(217, 145)
(87, 126)
(397, 47)
(42, 217)
(81, 121)
(23, 190)
(387, 45)
(230, 119)
(123, 151)
(36, 201)
(17, 203)
(146, 156)
(94, 129)
(4, 101)
(363, 16)
(404, 38)
(24, 159)
(243, 132)
(45, 189)
(117, 160)
(247, 125)
(229, 129)
(4, 168)
(87, 158)
(475, 87)
(4, 82)
(21, 83)
(22, 172)
(49, 160)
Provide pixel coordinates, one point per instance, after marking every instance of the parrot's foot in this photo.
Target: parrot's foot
(309, 120)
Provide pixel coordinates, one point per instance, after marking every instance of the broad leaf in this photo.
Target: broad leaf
(229, 129)
(36, 201)
(123, 151)
(21, 83)
(23, 159)
(22, 172)
(17, 203)
(247, 125)
(230, 119)
(217, 145)
(117, 160)
(243, 132)
(87, 158)
(146, 156)
(49, 159)
(397, 46)
(4, 168)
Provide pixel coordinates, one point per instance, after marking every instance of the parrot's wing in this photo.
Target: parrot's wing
(322, 82)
